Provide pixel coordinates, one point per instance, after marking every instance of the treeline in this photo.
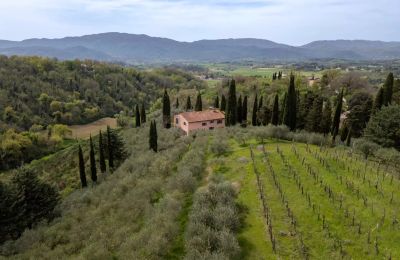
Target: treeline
(38, 91)
(347, 114)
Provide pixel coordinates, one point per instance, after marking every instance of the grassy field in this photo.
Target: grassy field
(84, 131)
(304, 202)
(249, 71)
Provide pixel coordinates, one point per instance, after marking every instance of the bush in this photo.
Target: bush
(366, 147)
(219, 145)
(212, 223)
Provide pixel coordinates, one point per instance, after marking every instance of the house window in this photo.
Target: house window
(219, 121)
(184, 123)
(176, 121)
(212, 121)
(211, 128)
(204, 124)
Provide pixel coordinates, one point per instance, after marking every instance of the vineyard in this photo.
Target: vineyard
(307, 202)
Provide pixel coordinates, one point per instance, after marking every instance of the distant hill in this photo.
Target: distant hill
(133, 48)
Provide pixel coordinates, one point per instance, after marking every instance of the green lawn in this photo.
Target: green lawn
(324, 190)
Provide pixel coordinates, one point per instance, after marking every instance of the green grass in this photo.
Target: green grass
(344, 176)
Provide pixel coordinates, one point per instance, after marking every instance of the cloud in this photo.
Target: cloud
(288, 21)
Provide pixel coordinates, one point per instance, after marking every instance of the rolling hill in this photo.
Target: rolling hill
(133, 48)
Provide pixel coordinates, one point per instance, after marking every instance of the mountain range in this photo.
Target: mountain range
(134, 49)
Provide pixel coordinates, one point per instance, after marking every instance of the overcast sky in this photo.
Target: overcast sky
(287, 21)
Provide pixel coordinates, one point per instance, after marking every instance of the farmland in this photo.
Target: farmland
(84, 131)
(302, 201)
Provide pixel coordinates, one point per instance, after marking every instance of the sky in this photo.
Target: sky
(294, 22)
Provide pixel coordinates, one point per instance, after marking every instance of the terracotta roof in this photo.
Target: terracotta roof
(205, 115)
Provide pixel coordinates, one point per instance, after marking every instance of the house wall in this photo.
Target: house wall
(181, 123)
(189, 127)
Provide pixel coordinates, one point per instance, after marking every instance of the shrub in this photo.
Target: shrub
(366, 147)
(212, 223)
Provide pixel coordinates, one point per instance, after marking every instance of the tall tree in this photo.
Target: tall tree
(360, 107)
(166, 110)
(153, 136)
(239, 109)
(348, 138)
(103, 167)
(231, 115)
(254, 112)
(216, 102)
(304, 108)
(137, 116)
(282, 105)
(260, 103)
(314, 117)
(223, 103)
(336, 117)
(93, 169)
(388, 89)
(188, 104)
(177, 103)
(289, 117)
(244, 109)
(143, 114)
(275, 111)
(199, 103)
(110, 149)
(378, 102)
(326, 118)
(82, 174)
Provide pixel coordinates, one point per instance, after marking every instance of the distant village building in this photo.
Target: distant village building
(200, 120)
(312, 80)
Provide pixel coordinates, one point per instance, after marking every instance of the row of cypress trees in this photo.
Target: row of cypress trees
(140, 115)
(114, 149)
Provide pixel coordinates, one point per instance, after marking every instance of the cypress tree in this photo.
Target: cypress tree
(153, 136)
(378, 102)
(336, 117)
(177, 103)
(314, 117)
(216, 102)
(275, 111)
(199, 103)
(283, 105)
(137, 116)
(304, 108)
(143, 114)
(388, 89)
(82, 174)
(239, 109)
(254, 113)
(260, 104)
(289, 117)
(344, 132)
(244, 109)
(188, 104)
(348, 139)
(93, 169)
(231, 115)
(223, 103)
(110, 149)
(103, 167)
(166, 110)
(326, 118)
